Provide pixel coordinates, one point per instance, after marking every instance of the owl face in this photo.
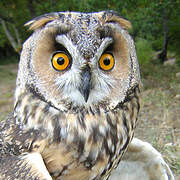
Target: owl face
(79, 59)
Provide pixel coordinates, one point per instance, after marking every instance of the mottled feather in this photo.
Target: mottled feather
(74, 123)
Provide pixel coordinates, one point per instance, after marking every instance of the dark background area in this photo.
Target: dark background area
(155, 23)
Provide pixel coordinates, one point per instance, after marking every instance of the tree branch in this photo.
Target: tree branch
(163, 55)
(14, 44)
(17, 35)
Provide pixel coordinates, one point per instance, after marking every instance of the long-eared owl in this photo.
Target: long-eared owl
(76, 99)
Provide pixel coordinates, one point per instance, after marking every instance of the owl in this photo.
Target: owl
(76, 99)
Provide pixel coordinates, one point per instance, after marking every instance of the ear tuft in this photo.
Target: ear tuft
(113, 16)
(41, 21)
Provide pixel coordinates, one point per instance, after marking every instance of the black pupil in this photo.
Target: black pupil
(60, 60)
(106, 61)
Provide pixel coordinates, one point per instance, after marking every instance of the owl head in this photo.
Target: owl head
(75, 59)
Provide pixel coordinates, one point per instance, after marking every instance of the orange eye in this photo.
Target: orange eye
(60, 61)
(106, 62)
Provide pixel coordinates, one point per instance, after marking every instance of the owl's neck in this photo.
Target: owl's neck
(91, 132)
(33, 112)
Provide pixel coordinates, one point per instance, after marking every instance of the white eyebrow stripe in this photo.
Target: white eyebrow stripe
(67, 43)
(106, 42)
(72, 48)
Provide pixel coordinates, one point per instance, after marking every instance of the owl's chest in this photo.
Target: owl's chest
(87, 153)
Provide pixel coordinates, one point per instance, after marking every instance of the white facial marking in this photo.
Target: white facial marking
(70, 81)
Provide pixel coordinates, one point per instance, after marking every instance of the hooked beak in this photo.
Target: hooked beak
(85, 86)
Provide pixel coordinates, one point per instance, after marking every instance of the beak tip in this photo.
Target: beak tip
(86, 98)
(85, 94)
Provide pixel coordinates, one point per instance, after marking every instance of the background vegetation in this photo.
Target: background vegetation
(155, 22)
(156, 31)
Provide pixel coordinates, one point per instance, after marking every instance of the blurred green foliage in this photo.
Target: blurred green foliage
(144, 51)
(146, 17)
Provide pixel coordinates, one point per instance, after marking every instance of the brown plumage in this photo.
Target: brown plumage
(74, 123)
